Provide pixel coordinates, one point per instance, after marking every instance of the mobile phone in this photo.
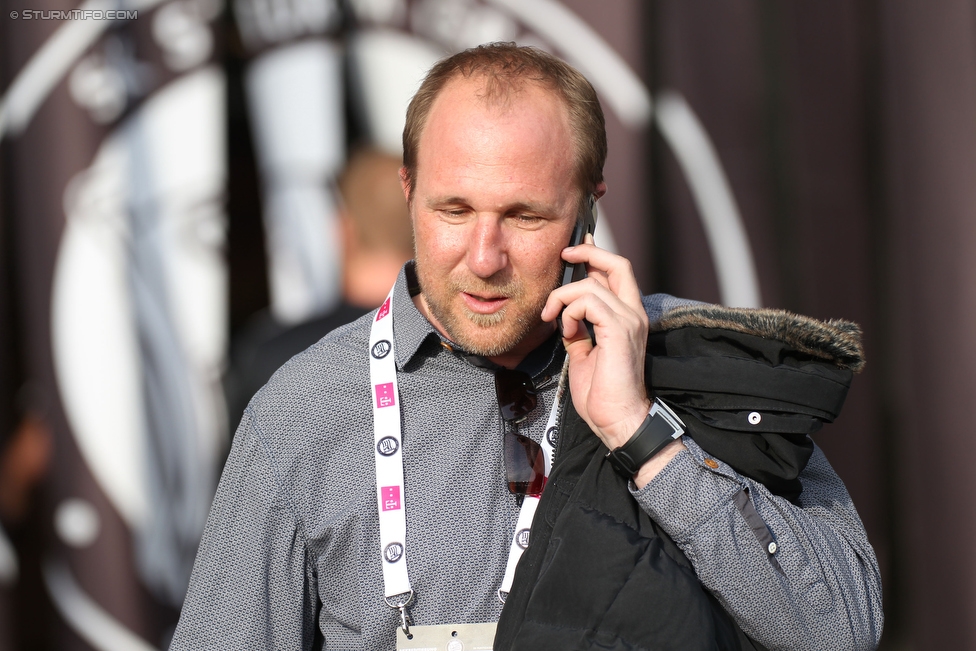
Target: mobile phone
(585, 223)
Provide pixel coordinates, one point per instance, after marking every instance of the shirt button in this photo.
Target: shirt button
(755, 418)
(772, 547)
(711, 463)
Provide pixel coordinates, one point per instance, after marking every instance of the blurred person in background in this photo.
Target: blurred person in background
(25, 457)
(376, 241)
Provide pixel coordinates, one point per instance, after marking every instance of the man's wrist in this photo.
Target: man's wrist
(659, 428)
(653, 467)
(624, 429)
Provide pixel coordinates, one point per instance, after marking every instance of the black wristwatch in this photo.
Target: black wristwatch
(659, 428)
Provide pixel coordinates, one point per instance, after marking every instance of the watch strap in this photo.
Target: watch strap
(659, 428)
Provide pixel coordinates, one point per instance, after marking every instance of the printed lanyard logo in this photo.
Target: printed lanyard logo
(385, 395)
(390, 498)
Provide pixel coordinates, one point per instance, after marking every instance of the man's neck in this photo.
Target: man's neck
(533, 340)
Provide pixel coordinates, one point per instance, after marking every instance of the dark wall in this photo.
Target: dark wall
(848, 131)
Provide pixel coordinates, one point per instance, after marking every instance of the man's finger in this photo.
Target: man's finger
(606, 313)
(616, 270)
(566, 295)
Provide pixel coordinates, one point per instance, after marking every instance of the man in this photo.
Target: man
(502, 147)
(376, 241)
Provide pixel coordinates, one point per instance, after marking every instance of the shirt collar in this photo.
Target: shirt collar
(410, 328)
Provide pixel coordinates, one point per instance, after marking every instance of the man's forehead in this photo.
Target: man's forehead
(462, 107)
(471, 146)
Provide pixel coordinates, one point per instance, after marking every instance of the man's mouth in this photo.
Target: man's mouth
(483, 304)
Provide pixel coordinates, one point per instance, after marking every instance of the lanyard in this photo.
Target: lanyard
(388, 451)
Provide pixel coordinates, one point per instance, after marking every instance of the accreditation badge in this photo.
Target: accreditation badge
(450, 637)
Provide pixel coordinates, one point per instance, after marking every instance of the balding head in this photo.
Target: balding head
(506, 69)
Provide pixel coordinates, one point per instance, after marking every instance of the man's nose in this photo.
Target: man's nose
(487, 254)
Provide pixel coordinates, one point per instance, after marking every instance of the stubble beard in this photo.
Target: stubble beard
(488, 335)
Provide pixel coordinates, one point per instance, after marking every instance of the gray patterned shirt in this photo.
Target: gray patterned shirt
(290, 558)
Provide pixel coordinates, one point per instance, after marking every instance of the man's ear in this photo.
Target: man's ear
(601, 189)
(405, 183)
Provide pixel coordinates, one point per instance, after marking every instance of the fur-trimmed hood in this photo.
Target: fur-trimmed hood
(836, 341)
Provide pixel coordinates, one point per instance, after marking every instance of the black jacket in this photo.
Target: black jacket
(599, 572)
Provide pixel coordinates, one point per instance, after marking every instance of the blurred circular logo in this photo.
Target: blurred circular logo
(387, 446)
(552, 435)
(381, 349)
(393, 552)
